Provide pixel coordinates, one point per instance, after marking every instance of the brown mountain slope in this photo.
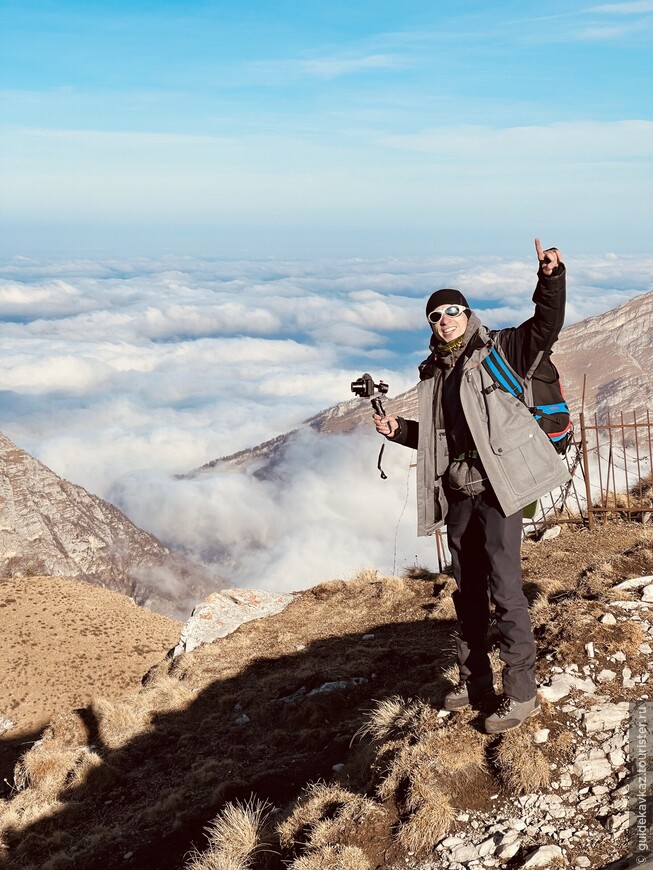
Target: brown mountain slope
(65, 642)
(279, 702)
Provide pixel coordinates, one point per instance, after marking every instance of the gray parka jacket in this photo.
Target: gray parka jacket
(519, 460)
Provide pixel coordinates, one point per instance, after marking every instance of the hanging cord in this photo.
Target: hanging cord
(379, 409)
(394, 556)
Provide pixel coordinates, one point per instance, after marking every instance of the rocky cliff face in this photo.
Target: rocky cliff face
(615, 351)
(51, 526)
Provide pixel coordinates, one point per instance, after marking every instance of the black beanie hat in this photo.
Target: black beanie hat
(445, 296)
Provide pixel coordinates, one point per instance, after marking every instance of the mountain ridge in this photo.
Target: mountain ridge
(50, 526)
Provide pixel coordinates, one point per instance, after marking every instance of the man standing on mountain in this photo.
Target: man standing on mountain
(481, 458)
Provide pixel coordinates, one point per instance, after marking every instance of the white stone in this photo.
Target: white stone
(619, 656)
(608, 619)
(5, 724)
(647, 593)
(589, 649)
(509, 837)
(464, 853)
(606, 676)
(221, 613)
(487, 847)
(595, 752)
(582, 861)
(645, 648)
(543, 857)
(618, 823)
(593, 770)
(635, 582)
(508, 850)
(337, 686)
(368, 637)
(541, 736)
(551, 533)
(617, 758)
(562, 684)
(449, 842)
(605, 717)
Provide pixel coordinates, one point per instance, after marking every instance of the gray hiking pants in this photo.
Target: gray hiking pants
(485, 548)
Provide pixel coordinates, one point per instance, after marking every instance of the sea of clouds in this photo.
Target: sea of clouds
(121, 375)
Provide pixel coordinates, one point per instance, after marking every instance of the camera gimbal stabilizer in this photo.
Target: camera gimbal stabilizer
(366, 388)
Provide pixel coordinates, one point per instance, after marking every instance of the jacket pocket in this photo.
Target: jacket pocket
(511, 424)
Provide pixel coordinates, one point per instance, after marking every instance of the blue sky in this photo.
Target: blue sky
(324, 128)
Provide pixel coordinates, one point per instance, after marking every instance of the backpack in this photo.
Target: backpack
(540, 391)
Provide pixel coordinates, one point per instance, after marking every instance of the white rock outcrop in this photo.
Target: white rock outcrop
(223, 612)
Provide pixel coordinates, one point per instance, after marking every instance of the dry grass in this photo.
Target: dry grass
(67, 730)
(120, 721)
(333, 858)
(166, 693)
(522, 764)
(422, 764)
(48, 768)
(213, 861)
(235, 837)
(325, 815)
(394, 719)
(426, 826)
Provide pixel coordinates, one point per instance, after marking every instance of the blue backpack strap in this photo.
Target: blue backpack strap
(502, 375)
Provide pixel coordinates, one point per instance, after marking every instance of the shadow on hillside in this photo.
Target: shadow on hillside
(11, 748)
(260, 731)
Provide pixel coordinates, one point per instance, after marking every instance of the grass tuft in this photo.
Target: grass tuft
(522, 764)
(333, 858)
(235, 837)
(326, 814)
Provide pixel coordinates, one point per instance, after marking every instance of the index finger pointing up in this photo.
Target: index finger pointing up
(540, 252)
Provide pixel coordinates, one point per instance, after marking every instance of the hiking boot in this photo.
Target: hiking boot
(468, 693)
(510, 714)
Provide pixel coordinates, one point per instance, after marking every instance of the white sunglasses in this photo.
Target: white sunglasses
(450, 311)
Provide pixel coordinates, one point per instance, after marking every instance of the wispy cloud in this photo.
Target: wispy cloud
(637, 7)
(329, 67)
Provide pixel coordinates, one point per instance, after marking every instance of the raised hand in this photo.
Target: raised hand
(549, 259)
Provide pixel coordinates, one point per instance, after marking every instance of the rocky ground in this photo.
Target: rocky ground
(330, 711)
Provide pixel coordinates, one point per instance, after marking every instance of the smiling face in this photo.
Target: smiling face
(449, 328)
